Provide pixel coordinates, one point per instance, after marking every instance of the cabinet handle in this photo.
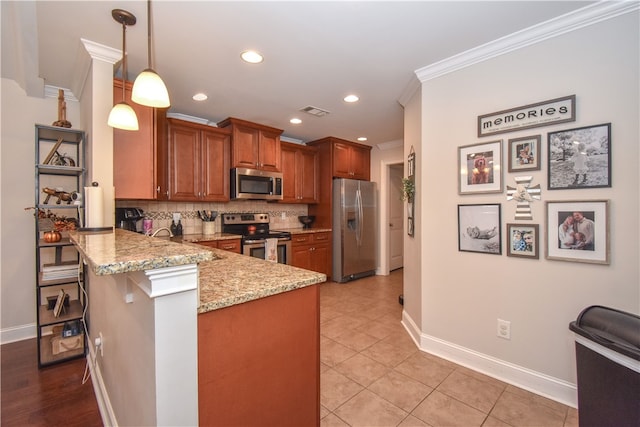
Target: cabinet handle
(158, 189)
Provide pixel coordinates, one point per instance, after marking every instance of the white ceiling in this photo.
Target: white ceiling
(315, 53)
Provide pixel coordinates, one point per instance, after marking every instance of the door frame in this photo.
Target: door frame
(385, 165)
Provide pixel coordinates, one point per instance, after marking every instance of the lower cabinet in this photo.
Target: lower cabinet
(312, 251)
(231, 245)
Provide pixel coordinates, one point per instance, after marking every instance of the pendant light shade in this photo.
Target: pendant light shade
(149, 89)
(122, 115)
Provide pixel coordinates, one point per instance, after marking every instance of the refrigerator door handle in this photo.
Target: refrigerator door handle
(360, 214)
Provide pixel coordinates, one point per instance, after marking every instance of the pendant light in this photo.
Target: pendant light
(149, 89)
(122, 115)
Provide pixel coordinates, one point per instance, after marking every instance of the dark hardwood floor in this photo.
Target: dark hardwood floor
(52, 396)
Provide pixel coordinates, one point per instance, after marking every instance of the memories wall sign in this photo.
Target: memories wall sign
(544, 113)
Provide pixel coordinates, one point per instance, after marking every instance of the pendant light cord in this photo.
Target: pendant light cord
(149, 33)
(124, 59)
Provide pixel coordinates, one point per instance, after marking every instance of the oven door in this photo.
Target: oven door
(255, 248)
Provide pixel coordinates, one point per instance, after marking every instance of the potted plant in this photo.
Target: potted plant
(408, 189)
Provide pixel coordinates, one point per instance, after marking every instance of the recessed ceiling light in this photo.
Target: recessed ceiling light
(362, 138)
(251, 56)
(351, 98)
(200, 97)
(295, 121)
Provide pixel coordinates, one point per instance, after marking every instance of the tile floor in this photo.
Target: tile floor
(372, 373)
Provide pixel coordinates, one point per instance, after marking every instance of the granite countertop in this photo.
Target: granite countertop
(225, 278)
(306, 231)
(234, 279)
(120, 251)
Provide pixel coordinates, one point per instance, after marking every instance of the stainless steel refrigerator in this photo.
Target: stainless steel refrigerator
(354, 229)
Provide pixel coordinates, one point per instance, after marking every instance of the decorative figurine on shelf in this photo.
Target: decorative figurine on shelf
(62, 112)
(62, 195)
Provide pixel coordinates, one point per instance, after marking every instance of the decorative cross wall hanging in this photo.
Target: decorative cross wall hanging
(523, 193)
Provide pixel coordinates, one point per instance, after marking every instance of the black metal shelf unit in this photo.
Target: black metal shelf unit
(60, 289)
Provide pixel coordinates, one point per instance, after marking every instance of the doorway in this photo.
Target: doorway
(395, 216)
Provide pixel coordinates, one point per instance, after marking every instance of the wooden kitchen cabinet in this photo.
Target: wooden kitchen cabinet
(198, 162)
(253, 145)
(348, 159)
(345, 159)
(140, 157)
(312, 251)
(231, 245)
(300, 168)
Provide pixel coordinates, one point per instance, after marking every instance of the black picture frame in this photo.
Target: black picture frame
(579, 158)
(479, 228)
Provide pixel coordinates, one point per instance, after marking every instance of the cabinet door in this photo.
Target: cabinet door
(301, 256)
(308, 176)
(136, 168)
(320, 260)
(289, 175)
(341, 160)
(215, 166)
(269, 151)
(184, 163)
(245, 147)
(360, 160)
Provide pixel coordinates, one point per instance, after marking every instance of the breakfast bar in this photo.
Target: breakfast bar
(181, 334)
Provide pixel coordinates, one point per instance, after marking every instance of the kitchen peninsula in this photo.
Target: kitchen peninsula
(191, 335)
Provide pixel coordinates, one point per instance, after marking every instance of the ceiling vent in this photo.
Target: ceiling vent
(314, 111)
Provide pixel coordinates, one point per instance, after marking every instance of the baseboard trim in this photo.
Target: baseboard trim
(518, 376)
(102, 397)
(17, 333)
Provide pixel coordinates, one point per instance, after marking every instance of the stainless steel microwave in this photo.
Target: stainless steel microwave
(255, 184)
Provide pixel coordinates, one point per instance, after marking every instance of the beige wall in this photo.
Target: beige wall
(463, 294)
(19, 115)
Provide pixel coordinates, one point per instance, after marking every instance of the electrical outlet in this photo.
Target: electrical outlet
(284, 215)
(504, 329)
(98, 343)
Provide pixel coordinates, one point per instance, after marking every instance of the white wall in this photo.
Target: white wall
(463, 294)
(19, 115)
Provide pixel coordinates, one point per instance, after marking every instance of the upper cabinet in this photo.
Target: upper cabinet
(300, 168)
(348, 159)
(254, 146)
(139, 157)
(198, 162)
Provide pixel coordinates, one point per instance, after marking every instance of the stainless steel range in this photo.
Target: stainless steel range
(255, 232)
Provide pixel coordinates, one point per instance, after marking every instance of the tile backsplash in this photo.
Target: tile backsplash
(162, 213)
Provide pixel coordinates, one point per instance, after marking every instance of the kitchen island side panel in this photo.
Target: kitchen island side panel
(259, 362)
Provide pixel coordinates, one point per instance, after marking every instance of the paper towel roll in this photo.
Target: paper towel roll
(94, 207)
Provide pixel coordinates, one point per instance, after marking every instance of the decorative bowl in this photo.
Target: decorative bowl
(306, 220)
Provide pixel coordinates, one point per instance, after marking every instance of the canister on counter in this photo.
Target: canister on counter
(147, 226)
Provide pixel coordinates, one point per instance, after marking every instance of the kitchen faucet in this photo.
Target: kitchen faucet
(162, 229)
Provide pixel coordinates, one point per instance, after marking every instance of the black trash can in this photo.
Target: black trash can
(608, 367)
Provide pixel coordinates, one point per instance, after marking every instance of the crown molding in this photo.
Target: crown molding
(52, 92)
(390, 144)
(555, 27)
(192, 119)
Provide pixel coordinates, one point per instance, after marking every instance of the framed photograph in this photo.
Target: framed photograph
(578, 231)
(523, 240)
(480, 167)
(479, 229)
(524, 153)
(579, 158)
